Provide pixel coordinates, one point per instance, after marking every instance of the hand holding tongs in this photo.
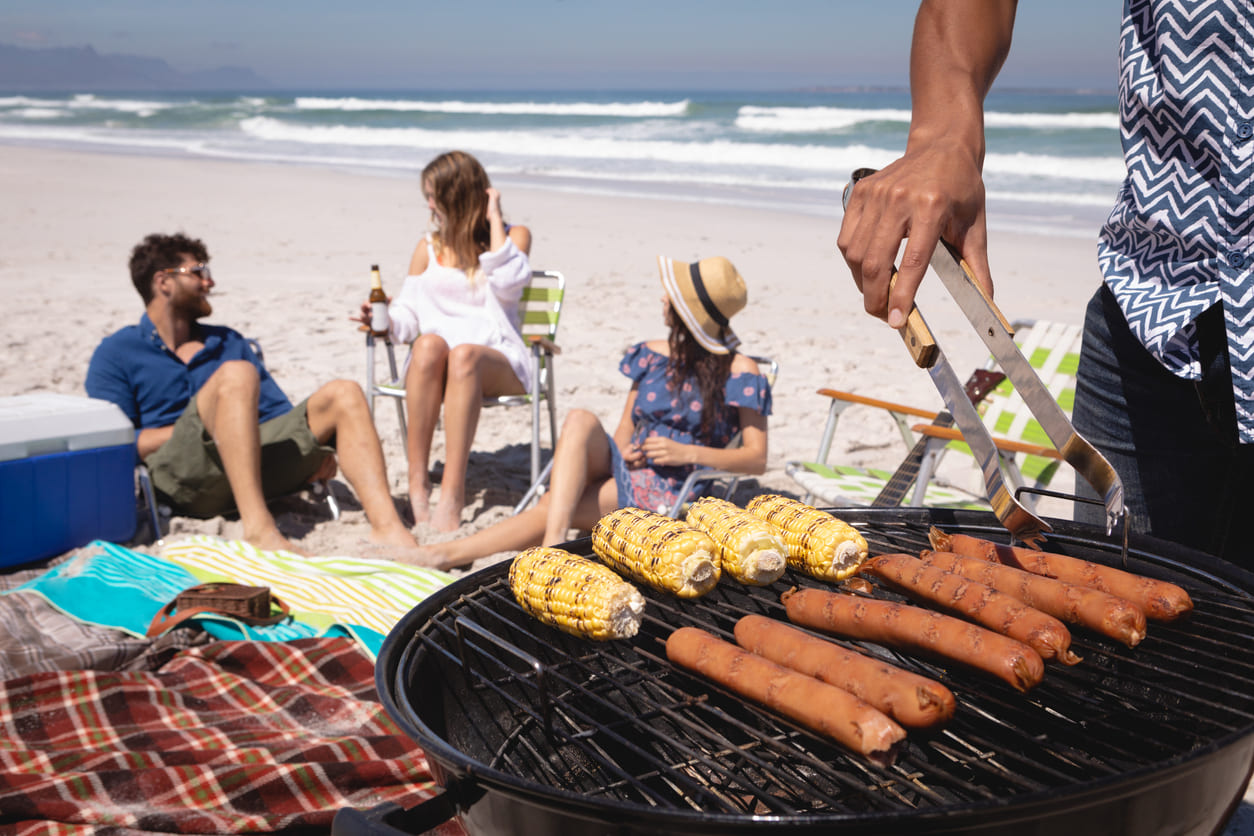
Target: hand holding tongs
(996, 334)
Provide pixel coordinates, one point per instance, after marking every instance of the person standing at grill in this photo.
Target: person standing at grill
(1165, 385)
(690, 394)
(459, 308)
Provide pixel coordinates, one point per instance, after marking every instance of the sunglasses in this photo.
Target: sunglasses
(200, 271)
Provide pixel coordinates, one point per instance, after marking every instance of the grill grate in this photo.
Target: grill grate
(616, 723)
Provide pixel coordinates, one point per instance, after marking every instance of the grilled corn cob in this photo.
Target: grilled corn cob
(818, 544)
(574, 594)
(750, 549)
(665, 553)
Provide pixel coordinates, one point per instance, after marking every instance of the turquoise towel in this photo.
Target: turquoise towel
(112, 586)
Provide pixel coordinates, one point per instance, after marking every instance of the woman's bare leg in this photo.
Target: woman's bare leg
(521, 531)
(473, 371)
(582, 457)
(424, 393)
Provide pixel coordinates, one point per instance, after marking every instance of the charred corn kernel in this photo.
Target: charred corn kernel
(665, 553)
(818, 544)
(750, 549)
(574, 594)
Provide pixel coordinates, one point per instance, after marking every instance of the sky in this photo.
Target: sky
(559, 44)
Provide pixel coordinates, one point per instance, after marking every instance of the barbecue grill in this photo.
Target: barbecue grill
(532, 731)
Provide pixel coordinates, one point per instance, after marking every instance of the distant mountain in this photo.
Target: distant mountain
(83, 69)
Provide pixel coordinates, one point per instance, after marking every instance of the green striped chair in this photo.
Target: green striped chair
(1028, 457)
(540, 310)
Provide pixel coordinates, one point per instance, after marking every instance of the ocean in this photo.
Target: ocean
(1053, 163)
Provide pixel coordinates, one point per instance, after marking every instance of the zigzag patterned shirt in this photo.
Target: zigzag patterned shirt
(1181, 235)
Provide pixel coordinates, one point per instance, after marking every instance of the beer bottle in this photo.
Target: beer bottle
(379, 322)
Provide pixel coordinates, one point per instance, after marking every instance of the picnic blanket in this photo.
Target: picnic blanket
(106, 731)
(111, 586)
(231, 737)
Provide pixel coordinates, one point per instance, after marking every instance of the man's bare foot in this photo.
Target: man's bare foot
(447, 516)
(420, 501)
(397, 537)
(271, 540)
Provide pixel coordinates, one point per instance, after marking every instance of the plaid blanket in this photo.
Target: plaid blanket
(230, 737)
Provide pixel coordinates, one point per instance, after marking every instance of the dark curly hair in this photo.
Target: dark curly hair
(161, 252)
(688, 358)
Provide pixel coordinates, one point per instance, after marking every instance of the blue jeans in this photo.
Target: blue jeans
(1172, 441)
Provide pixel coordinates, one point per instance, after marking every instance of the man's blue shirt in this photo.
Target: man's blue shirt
(134, 369)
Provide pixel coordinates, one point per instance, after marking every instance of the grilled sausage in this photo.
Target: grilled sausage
(914, 628)
(978, 602)
(816, 705)
(1159, 600)
(913, 701)
(1099, 611)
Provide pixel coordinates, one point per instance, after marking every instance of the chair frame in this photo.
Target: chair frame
(939, 440)
(543, 384)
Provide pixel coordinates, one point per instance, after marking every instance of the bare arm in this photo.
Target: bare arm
(150, 440)
(632, 454)
(750, 457)
(936, 189)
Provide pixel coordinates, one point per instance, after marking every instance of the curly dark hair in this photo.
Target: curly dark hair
(160, 252)
(688, 358)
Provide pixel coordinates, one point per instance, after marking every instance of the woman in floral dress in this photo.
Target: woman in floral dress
(691, 393)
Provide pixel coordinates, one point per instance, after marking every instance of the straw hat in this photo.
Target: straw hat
(705, 295)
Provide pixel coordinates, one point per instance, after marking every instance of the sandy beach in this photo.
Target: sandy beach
(292, 247)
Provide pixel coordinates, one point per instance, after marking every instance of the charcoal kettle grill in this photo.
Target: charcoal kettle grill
(530, 731)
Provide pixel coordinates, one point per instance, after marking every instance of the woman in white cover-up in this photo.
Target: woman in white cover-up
(459, 307)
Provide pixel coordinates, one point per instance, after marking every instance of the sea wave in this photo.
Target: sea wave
(552, 145)
(819, 119)
(629, 110)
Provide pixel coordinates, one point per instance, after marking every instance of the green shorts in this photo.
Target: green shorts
(187, 470)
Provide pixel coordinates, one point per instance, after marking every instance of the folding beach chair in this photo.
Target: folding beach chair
(1028, 458)
(540, 310)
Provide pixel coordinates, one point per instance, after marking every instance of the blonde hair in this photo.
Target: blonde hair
(459, 188)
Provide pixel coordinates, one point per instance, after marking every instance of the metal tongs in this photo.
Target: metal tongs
(996, 333)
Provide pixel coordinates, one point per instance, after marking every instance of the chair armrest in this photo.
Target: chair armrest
(545, 344)
(849, 397)
(1005, 445)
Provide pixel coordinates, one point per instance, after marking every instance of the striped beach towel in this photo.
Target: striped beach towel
(324, 591)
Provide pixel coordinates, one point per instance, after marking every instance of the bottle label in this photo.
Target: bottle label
(379, 317)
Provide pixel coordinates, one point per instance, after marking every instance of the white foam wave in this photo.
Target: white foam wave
(88, 101)
(811, 119)
(635, 110)
(558, 146)
(38, 113)
(818, 119)
(1047, 167)
(550, 145)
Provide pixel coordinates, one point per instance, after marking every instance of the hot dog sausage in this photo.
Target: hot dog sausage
(979, 602)
(1102, 612)
(1159, 600)
(904, 626)
(816, 705)
(913, 701)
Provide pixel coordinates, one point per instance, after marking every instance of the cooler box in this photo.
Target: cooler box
(67, 475)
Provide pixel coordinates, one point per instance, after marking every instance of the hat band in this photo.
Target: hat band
(704, 296)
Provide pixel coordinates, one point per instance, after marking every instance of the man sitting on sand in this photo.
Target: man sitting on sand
(215, 430)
